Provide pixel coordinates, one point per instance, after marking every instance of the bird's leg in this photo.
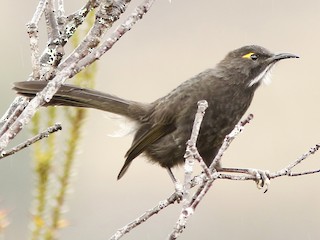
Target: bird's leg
(262, 176)
(177, 185)
(174, 180)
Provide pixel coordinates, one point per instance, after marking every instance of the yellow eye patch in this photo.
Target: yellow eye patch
(248, 55)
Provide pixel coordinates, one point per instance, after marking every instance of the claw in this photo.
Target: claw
(263, 178)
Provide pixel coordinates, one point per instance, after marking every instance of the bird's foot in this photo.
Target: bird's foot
(262, 178)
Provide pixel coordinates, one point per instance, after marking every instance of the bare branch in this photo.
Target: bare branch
(68, 68)
(287, 170)
(303, 173)
(32, 29)
(228, 139)
(144, 217)
(204, 183)
(34, 104)
(9, 118)
(49, 66)
(76, 19)
(117, 34)
(192, 152)
(61, 11)
(51, 21)
(32, 140)
(106, 15)
(73, 22)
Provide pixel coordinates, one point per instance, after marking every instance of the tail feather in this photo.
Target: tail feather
(124, 169)
(69, 95)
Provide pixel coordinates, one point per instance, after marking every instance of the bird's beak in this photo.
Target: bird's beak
(280, 56)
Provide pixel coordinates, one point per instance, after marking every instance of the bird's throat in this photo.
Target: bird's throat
(264, 76)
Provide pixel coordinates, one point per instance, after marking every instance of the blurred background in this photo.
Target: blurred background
(173, 42)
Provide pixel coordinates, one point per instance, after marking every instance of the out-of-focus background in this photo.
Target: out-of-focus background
(173, 42)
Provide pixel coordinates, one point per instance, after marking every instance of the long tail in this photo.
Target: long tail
(69, 95)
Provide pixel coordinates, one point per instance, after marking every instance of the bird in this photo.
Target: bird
(164, 125)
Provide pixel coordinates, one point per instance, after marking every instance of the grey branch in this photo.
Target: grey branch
(204, 182)
(70, 26)
(145, 216)
(32, 140)
(229, 138)
(51, 68)
(32, 29)
(192, 153)
(138, 13)
(188, 209)
(54, 66)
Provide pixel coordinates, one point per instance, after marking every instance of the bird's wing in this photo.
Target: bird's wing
(140, 144)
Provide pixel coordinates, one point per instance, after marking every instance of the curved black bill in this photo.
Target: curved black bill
(281, 56)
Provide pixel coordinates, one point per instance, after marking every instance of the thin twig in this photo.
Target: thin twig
(51, 21)
(74, 21)
(66, 72)
(21, 104)
(61, 11)
(44, 96)
(191, 150)
(205, 183)
(189, 209)
(108, 12)
(144, 217)
(287, 170)
(139, 12)
(303, 173)
(55, 50)
(32, 29)
(32, 140)
(228, 139)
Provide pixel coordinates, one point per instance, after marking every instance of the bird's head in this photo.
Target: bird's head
(250, 65)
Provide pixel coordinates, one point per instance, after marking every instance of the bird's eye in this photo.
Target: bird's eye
(251, 56)
(254, 57)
